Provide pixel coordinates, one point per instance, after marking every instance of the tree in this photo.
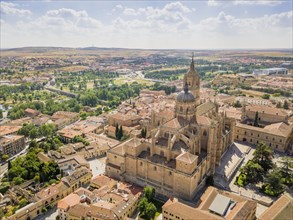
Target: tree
(286, 172)
(9, 165)
(263, 156)
(5, 157)
(47, 130)
(255, 123)
(150, 210)
(34, 133)
(143, 132)
(287, 163)
(266, 96)
(253, 171)
(146, 208)
(37, 178)
(99, 111)
(273, 185)
(142, 206)
(9, 168)
(117, 131)
(22, 202)
(17, 180)
(1, 113)
(149, 193)
(83, 115)
(34, 144)
(286, 105)
(237, 104)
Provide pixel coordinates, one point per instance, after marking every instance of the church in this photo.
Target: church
(181, 148)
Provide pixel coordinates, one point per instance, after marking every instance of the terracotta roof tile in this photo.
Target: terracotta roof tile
(282, 209)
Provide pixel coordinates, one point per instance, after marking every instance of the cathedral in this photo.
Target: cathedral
(181, 149)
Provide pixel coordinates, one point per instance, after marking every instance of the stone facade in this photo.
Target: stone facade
(11, 144)
(273, 128)
(179, 151)
(278, 136)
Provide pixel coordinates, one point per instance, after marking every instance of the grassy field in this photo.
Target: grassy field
(120, 81)
(252, 92)
(73, 68)
(169, 68)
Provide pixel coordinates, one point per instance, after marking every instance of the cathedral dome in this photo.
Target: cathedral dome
(185, 96)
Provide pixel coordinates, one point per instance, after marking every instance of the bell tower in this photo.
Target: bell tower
(191, 78)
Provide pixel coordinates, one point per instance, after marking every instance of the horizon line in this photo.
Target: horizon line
(136, 48)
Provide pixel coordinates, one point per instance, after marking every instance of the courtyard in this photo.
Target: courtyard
(97, 165)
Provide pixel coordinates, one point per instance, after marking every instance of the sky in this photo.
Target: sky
(210, 24)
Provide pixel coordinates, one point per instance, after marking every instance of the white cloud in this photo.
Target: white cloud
(130, 12)
(171, 18)
(172, 12)
(117, 7)
(9, 8)
(224, 24)
(67, 19)
(213, 3)
(258, 2)
(170, 26)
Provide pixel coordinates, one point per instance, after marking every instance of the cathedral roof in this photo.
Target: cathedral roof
(202, 120)
(187, 157)
(185, 96)
(204, 108)
(174, 123)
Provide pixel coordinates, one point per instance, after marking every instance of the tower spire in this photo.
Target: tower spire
(192, 64)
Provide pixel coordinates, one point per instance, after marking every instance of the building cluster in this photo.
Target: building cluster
(186, 137)
(82, 128)
(49, 196)
(108, 199)
(284, 83)
(213, 204)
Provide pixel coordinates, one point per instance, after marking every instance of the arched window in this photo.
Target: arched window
(205, 133)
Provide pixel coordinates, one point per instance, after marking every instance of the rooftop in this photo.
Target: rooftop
(281, 209)
(266, 110)
(187, 157)
(8, 129)
(62, 115)
(279, 129)
(220, 205)
(9, 139)
(124, 117)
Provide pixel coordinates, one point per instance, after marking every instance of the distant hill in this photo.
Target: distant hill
(38, 49)
(233, 52)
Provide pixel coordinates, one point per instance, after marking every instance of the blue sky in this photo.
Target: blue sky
(210, 24)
